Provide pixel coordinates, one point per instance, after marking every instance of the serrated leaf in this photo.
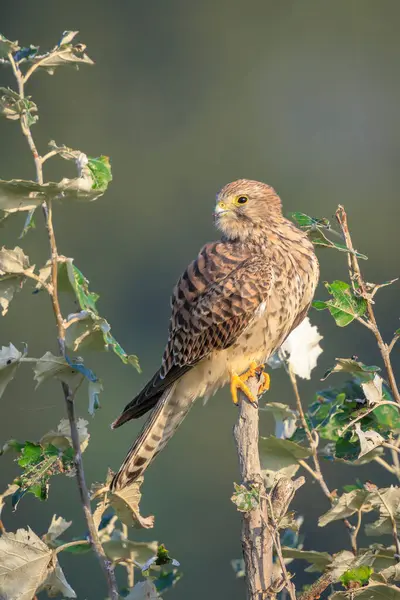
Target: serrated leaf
(391, 573)
(279, 458)
(56, 584)
(7, 46)
(62, 55)
(119, 547)
(91, 332)
(369, 440)
(13, 262)
(245, 499)
(319, 561)
(50, 366)
(125, 502)
(9, 361)
(57, 527)
(11, 489)
(19, 194)
(344, 306)
(373, 390)
(67, 37)
(374, 591)
(357, 369)
(26, 562)
(144, 590)
(347, 505)
(387, 500)
(12, 106)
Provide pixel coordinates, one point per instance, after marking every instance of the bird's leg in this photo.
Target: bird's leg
(238, 382)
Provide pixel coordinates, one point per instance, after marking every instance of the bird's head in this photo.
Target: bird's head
(244, 206)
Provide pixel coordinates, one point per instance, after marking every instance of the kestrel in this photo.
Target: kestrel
(235, 304)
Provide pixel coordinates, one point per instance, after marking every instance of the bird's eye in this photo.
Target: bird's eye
(242, 200)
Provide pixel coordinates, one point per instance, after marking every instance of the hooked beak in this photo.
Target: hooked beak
(221, 209)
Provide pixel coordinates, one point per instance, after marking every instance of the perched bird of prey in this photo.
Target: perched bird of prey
(235, 304)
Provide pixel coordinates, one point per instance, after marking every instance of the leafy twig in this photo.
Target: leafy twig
(360, 289)
(68, 395)
(316, 589)
(393, 522)
(312, 439)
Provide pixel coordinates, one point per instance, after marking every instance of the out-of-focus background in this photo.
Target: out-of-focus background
(184, 97)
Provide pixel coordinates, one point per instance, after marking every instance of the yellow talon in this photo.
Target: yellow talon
(238, 382)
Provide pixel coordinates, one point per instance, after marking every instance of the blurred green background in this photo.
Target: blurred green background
(184, 97)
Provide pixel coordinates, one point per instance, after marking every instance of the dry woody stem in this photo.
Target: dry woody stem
(259, 531)
(68, 395)
(360, 289)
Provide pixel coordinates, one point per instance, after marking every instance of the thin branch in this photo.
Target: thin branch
(354, 534)
(393, 522)
(68, 394)
(49, 155)
(367, 412)
(356, 275)
(385, 465)
(316, 589)
(71, 544)
(392, 343)
(278, 504)
(317, 473)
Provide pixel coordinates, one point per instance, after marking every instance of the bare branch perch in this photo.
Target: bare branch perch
(257, 530)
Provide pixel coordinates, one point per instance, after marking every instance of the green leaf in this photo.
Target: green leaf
(50, 366)
(7, 47)
(359, 575)
(374, 591)
(100, 169)
(344, 306)
(347, 505)
(246, 499)
(319, 561)
(20, 195)
(279, 457)
(9, 361)
(89, 331)
(316, 230)
(31, 454)
(357, 369)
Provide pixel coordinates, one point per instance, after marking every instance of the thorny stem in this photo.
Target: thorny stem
(356, 276)
(68, 395)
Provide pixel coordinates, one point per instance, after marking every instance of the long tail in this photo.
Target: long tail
(164, 419)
